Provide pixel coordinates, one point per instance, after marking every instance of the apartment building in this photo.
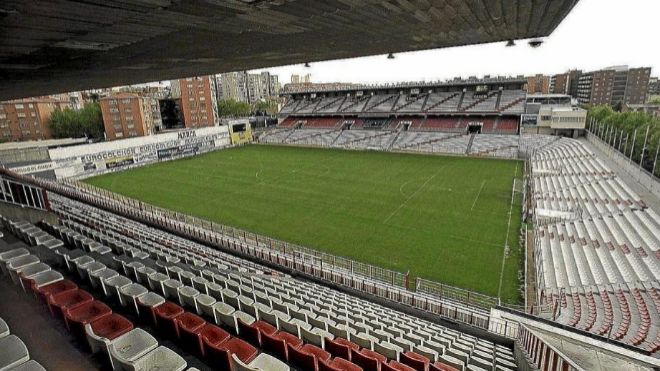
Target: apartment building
(565, 83)
(248, 87)
(198, 101)
(129, 115)
(538, 84)
(614, 85)
(28, 119)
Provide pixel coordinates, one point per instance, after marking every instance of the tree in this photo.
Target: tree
(88, 122)
(232, 108)
(654, 100)
(267, 106)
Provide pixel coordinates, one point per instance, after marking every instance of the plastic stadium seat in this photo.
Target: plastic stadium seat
(12, 352)
(252, 333)
(368, 361)
(220, 356)
(146, 306)
(263, 362)
(76, 318)
(439, 366)
(125, 350)
(105, 329)
(414, 360)
(277, 343)
(338, 364)
(212, 336)
(189, 326)
(4, 329)
(43, 293)
(30, 365)
(161, 358)
(67, 299)
(302, 360)
(337, 349)
(395, 366)
(166, 314)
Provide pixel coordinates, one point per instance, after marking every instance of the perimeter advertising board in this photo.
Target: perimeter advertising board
(92, 159)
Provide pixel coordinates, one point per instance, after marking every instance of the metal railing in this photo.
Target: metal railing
(24, 195)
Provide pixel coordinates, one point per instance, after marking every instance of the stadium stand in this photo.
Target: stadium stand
(598, 246)
(228, 312)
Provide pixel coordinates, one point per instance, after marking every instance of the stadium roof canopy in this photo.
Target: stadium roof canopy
(52, 46)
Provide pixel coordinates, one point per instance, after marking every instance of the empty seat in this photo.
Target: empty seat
(67, 299)
(12, 352)
(146, 305)
(129, 294)
(46, 291)
(161, 358)
(414, 360)
(211, 336)
(263, 362)
(221, 356)
(30, 365)
(103, 330)
(166, 315)
(189, 327)
(76, 318)
(127, 349)
(338, 364)
(277, 343)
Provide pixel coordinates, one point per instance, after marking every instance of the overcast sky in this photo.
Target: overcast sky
(596, 34)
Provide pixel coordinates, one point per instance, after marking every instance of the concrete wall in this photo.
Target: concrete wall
(15, 212)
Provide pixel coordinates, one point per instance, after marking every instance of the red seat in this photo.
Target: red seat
(252, 333)
(337, 349)
(414, 360)
(367, 361)
(166, 313)
(338, 364)
(67, 299)
(395, 366)
(44, 292)
(220, 356)
(212, 336)
(189, 327)
(76, 318)
(111, 326)
(276, 343)
(439, 366)
(301, 359)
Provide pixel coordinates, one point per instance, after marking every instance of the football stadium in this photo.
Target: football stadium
(465, 224)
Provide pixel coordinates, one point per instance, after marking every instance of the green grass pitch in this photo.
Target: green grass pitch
(441, 218)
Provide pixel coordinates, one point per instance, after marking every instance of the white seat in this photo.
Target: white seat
(30, 365)
(204, 304)
(4, 329)
(12, 352)
(222, 313)
(263, 362)
(129, 294)
(128, 348)
(187, 295)
(161, 358)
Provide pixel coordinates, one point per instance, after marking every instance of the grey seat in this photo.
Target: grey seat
(32, 270)
(91, 268)
(263, 362)
(388, 349)
(130, 347)
(12, 352)
(8, 255)
(46, 278)
(112, 285)
(161, 358)
(129, 294)
(4, 329)
(204, 304)
(187, 295)
(14, 265)
(97, 278)
(30, 365)
(172, 287)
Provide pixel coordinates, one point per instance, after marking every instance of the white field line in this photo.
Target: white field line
(412, 195)
(476, 198)
(508, 228)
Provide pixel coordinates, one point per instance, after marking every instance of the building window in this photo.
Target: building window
(126, 101)
(21, 114)
(19, 106)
